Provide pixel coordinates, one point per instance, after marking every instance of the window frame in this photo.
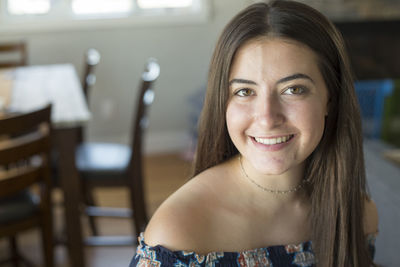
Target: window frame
(61, 18)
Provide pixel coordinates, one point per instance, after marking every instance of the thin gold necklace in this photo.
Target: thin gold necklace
(273, 191)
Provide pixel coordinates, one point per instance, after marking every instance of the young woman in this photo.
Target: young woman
(279, 174)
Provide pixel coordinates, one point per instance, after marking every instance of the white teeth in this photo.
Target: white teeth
(273, 141)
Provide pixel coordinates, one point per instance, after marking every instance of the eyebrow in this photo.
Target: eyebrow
(241, 81)
(295, 77)
(285, 79)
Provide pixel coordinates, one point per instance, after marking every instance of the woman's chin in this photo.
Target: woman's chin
(270, 169)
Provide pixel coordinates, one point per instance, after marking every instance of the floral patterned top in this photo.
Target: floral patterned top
(277, 256)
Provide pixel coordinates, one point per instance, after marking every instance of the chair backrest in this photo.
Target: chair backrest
(92, 58)
(371, 96)
(144, 100)
(24, 151)
(13, 54)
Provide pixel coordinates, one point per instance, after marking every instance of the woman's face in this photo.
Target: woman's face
(277, 105)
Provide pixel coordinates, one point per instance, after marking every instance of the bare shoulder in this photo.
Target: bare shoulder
(183, 221)
(370, 217)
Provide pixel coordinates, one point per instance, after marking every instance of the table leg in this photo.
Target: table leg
(65, 140)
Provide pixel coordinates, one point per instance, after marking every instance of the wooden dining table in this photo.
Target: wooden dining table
(27, 88)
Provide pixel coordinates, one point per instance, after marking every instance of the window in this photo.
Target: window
(164, 3)
(27, 15)
(101, 6)
(21, 7)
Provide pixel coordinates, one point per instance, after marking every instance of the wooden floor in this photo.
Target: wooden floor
(164, 174)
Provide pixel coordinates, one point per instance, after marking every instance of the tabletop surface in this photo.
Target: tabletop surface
(27, 88)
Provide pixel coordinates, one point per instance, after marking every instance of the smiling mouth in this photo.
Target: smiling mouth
(273, 141)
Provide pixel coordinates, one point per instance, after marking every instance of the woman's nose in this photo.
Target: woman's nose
(269, 111)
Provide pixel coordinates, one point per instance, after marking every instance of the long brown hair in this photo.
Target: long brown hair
(336, 167)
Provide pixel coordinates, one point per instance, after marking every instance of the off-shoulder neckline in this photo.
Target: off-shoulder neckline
(369, 237)
(161, 248)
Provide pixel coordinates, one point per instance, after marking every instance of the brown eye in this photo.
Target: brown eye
(294, 90)
(244, 92)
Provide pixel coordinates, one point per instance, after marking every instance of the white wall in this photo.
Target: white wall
(183, 52)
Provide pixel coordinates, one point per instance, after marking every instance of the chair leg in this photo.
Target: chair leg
(139, 216)
(89, 201)
(14, 251)
(140, 221)
(48, 239)
(139, 208)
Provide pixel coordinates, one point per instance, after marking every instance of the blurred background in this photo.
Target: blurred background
(181, 35)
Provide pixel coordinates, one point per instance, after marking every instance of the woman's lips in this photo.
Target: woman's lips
(274, 140)
(273, 143)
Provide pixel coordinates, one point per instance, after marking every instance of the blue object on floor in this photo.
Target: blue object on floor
(371, 96)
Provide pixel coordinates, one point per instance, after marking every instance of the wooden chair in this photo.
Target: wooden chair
(91, 59)
(13, 54)
(109, 164)
(24, 153)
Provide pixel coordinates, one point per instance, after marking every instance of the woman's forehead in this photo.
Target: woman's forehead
(272, 56)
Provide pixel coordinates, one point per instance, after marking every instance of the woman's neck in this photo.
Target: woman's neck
(288, 187)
